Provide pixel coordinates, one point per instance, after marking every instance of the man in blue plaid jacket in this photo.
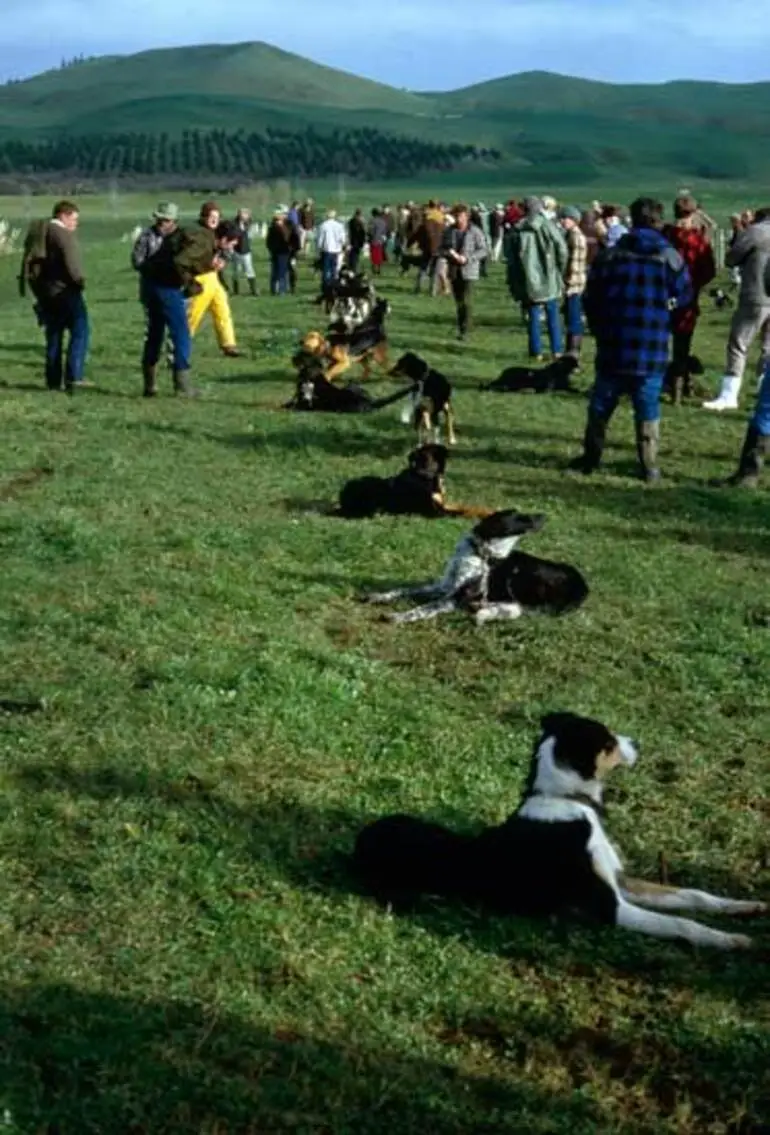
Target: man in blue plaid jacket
(632, 290)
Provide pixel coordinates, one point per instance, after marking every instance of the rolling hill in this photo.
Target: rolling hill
(558, 127)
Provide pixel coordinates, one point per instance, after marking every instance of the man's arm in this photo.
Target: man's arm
(70, 254)
(140, 251)
(742, 247)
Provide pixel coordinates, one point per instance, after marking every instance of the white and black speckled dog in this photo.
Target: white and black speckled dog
(489, 579)
(551, 857)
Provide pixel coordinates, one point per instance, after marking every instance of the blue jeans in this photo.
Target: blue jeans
(166, 310)
(761, 418)
(553, 323)
(573, 315)
(65, 313)
(644, 393)
(354, 255)
(279, 274)
(329, 264)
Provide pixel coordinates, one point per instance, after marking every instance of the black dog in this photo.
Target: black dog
(552, 857)
(432, 397)
(553, 378)
(720, 298)
(315, 392)
(418, 490)
(488, 578)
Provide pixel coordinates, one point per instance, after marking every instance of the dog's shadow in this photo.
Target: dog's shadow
(311, 847)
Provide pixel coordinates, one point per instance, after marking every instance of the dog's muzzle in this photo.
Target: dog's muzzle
(628, 750)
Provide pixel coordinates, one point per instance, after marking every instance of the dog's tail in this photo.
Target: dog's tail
(381, 403)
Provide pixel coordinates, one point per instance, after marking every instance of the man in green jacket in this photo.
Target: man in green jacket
(537, 256)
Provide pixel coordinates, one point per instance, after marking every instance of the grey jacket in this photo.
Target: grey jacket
(471, 244)
(751, 253)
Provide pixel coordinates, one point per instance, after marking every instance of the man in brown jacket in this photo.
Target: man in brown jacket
(61, 303)
(429, 237)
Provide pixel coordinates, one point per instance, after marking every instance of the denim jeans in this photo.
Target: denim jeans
(166, 311)
(354, 255)
(761, 419)
(329, 267)
(65, 313)
(279, 274)
(573, 315)
(553, 323)
(644, 393)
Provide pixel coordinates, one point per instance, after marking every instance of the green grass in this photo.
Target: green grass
(182, 947)
(547, 126)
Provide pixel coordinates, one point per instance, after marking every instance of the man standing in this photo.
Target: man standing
(356, 239)
(306, 221)
(632, 291)
(243, 262)
(575, 277)
(60, 299)
(756, 446)
(750, 253)
(465, 247)
(496, 229)
(536, 253)
(429, 237)
(693, 244)
(150, 240)
(331, 245)
(210, 294)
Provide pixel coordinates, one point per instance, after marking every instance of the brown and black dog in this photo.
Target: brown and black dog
(431, 401)
(418, 490)
(340, 348)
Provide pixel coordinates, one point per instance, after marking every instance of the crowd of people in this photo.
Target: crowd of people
(633, 281)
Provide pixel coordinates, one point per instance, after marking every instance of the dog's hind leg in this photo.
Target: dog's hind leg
(429, 611)
(421, 591)
(657, 925)
(451, 436)
(656, 897)
(491, 611)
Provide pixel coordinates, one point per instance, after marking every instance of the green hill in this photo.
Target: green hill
(554, 126)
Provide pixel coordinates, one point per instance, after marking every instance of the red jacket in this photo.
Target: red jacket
(694, 247)
(513, 214)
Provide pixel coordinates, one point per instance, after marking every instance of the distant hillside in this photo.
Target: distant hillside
(547, 127)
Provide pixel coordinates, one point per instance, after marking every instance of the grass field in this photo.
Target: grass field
(182, 947)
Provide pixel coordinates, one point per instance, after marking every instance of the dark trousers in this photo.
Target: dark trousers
(329, 267)
(279, 274)
(354, 255)
(166, 311)
(461, 290)
(66, 313)
(682, 345)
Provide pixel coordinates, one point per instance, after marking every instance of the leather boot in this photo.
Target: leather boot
(236, 286)
(253, 286)
(756, 448)
(574, 343)
(149, 376)
(593, 445)
(182, 385)
(647, 443)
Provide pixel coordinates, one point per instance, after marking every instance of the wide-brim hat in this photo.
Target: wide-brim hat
(166, 211)
(570, 213)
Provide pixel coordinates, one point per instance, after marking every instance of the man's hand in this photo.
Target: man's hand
(219, 263)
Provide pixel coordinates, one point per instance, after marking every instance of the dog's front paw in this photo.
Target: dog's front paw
(750, 909)
(739, 942)
(482, 616)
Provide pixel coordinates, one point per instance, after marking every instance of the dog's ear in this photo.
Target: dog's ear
(503, 525)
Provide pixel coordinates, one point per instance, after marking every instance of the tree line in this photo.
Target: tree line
(361, 153)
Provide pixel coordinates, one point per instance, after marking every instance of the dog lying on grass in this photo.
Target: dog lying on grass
(431, 399)
(419, 489)
(488, 578)
(552, 857)
(554, 378)
(314, 392)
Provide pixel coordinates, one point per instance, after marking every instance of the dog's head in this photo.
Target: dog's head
(410, 366)
(574, 755)
(314, 343)
(500, 533)
(429, 460)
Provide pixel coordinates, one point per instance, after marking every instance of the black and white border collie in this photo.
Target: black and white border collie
(489, 579)
(552, 857)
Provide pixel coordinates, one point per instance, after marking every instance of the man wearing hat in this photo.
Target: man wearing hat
(575, 277)
(536, 253)
(164, 221)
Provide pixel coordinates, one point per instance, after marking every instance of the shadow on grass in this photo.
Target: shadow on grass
(310, 847)
(96, 1063)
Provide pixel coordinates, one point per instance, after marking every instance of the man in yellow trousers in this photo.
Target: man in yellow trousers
(212, 296)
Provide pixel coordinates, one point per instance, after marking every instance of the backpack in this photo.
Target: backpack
(33, 258)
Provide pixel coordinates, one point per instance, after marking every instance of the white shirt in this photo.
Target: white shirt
(331, 236)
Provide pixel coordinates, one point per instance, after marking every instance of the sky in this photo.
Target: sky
(423, 44)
